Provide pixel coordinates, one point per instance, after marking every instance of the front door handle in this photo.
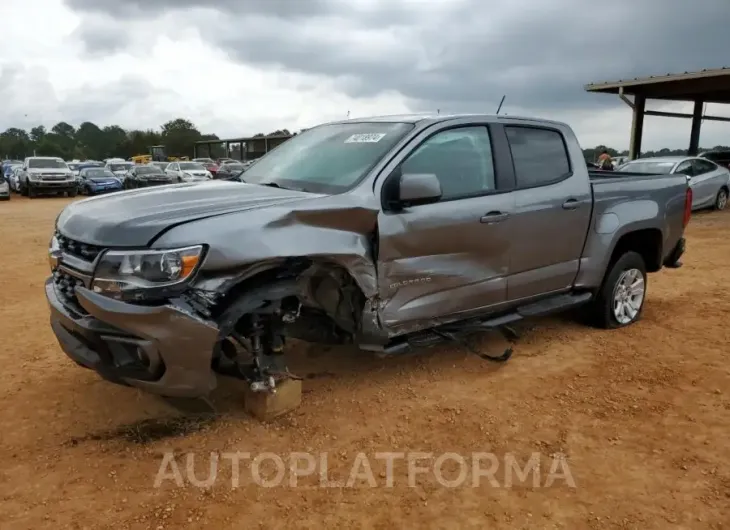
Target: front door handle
(570, 204)
(493, 217)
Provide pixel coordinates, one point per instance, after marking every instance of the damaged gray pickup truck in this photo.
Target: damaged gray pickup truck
(389, 233)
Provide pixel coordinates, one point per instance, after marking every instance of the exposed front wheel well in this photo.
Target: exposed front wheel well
(320, 288)
(646, 242)
(297, 298)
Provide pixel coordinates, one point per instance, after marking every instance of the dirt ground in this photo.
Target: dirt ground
(642, 416)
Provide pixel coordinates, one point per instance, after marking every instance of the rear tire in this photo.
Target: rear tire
(620, 302)
(721, 199)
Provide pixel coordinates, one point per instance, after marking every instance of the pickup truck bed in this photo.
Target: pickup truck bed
(597, 174)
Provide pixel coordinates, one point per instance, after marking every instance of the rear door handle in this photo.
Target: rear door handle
(570, 204)
(493, 217)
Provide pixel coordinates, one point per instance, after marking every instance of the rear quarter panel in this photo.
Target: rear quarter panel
(627, 204)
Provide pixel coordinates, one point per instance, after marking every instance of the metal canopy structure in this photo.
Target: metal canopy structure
(239, 148)
(706, 86)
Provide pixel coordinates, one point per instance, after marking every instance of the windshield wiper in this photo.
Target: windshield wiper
(270, 184)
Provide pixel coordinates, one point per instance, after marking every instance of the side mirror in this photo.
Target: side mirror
(418, 188)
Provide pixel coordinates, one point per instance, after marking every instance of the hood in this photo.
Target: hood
(196, 172)
(134, 218)
(103, 180)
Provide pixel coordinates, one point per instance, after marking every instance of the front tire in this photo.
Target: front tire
(620, 301)
(721, 199)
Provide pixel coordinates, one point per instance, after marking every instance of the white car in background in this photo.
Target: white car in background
(710, 183)
(119, 168)
(14, 181)
(188, 171)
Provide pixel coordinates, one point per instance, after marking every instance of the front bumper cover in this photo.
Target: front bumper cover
(164, 350)
(51, 185)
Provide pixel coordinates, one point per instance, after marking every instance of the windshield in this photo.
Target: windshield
(97, 173)
(46, 163)
(120, 167)
(149, 170)
(329, 158)
(161, 165)
(204, 160)
(233, 167)
(191, 165)
(646, 166)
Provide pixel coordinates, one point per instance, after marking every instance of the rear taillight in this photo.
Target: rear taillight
(687, 207)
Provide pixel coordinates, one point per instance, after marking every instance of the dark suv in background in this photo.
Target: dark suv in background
(721, 158)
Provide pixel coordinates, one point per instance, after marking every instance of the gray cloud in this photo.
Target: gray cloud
(461, 55)
(123, 101)
(102, 36)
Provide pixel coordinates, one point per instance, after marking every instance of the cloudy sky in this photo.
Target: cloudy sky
(237, 67)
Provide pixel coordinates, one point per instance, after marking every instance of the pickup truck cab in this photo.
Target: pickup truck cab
(389, 233)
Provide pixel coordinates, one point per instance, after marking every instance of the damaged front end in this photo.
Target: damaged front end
(297, 299)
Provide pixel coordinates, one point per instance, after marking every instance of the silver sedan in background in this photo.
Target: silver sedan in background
(710, 183)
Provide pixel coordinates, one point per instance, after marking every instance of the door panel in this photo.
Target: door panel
(448, 259)
(552, 212)
(548, 239)
(701, 183)
(439, 260)
(706, 182)
(686, 168)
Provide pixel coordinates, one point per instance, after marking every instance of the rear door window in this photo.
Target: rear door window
(539, 155)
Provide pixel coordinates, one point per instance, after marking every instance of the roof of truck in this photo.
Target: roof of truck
(438, 117)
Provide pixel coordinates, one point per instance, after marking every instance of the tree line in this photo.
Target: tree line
(92, 142)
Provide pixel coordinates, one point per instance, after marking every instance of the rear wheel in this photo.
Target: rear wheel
(721, 199)
(620, 301)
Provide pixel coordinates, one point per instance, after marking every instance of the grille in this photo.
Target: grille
(66, 289)
(77, 248)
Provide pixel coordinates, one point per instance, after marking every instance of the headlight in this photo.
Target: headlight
(140, 274)
(33, 176)
(208, 174)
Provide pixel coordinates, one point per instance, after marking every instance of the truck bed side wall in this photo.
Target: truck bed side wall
(625, 205)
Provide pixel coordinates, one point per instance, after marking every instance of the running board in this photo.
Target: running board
(547, 306)
(554, 304)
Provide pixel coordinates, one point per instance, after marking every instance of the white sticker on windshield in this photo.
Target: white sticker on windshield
(365, 138)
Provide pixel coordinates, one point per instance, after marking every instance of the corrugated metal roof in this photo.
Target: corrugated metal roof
(654, 79)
